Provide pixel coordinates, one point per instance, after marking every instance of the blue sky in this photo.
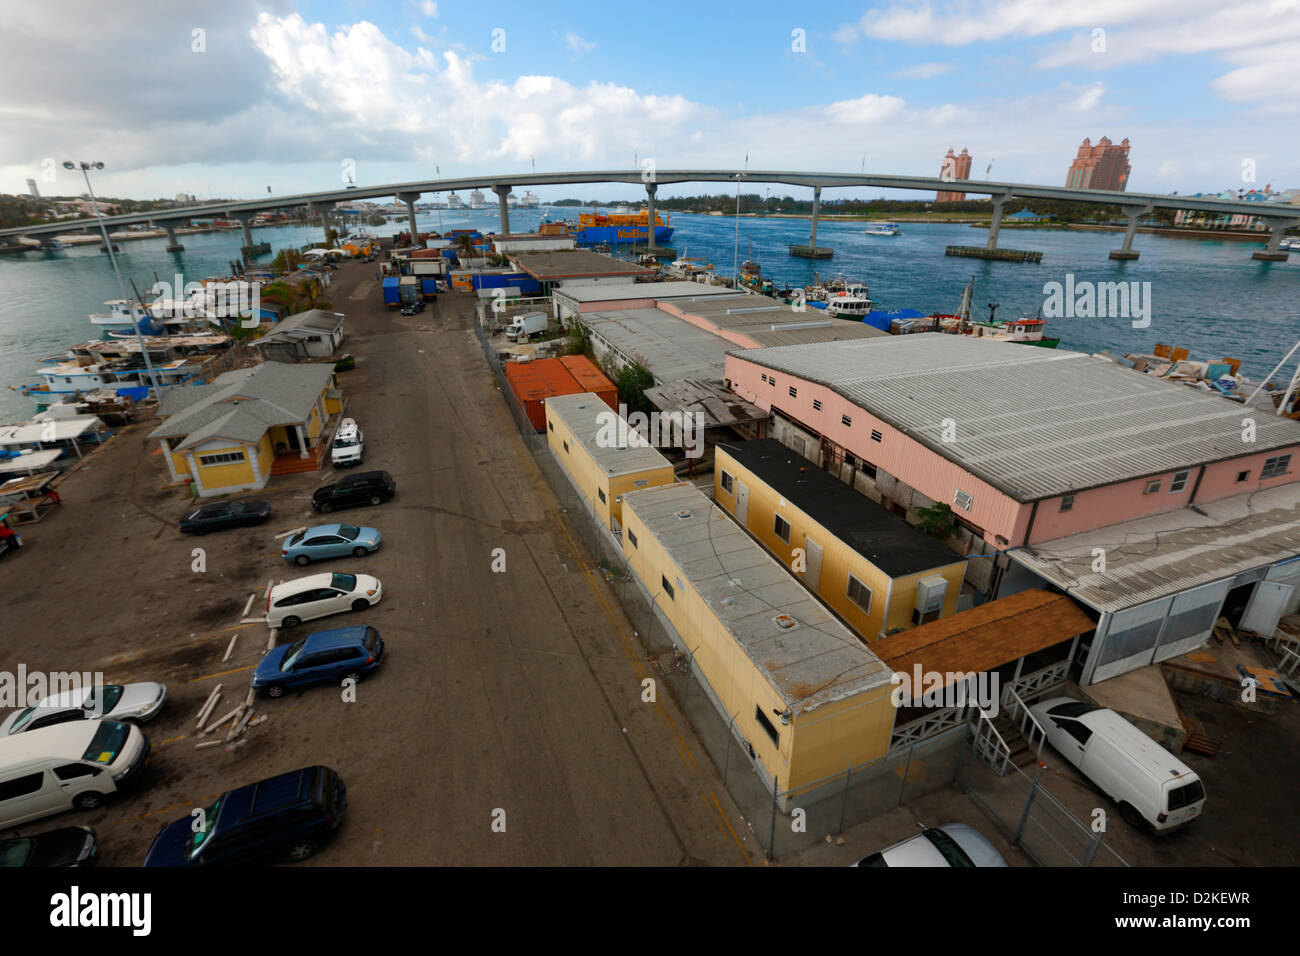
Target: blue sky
(273, 92)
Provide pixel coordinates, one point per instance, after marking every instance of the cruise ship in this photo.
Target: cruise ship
(620, 227)
(454, 202)
(529, 200)
(476, 200)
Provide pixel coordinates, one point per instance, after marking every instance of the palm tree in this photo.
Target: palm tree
(464, 246)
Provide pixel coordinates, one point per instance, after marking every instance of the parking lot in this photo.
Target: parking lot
(508, 697)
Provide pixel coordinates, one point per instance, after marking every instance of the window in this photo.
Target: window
(1179, 482)
(1067, 502)
(1152, 487)
(551, 425)
(631, 537)
(846, 420)
(565, 444)
(876, 436)
(781, 528)
(668, 588)
(765, 376)
(767, 726)
(225, 458)
(794, 392)
(1078, 731)
(71, 771)
(601, 493)
(817, 404)
(728, 483)
(1275, 466)
(1243, 476)
(20, 786)
(859, 594)
(772, 381)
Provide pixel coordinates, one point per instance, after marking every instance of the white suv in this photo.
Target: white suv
(319, 595)
(349, 444)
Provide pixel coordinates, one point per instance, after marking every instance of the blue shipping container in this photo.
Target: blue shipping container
(392, 295)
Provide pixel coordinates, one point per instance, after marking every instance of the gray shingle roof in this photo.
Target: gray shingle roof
(1032, 422)
(242, 404)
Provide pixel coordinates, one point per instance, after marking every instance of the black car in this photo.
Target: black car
(66, 846)
(413, 308)
(216, 515)
(367, 488)
(288, 816)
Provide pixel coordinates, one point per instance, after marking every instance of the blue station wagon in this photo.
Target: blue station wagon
(326, 657)
(330, 541)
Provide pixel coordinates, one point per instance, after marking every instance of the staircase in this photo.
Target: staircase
(291, 464)
(1021, 754)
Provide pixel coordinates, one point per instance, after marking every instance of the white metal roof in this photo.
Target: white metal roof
(616, 449)
(811, 664)
(603, 292)
(1159, 555)
(1032, 422)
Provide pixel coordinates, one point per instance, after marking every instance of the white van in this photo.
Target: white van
(1147, 781)
(71, 765)
(349, 444)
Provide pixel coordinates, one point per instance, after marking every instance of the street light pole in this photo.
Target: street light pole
(108, 245)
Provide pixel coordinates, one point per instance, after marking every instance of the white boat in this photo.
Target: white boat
(118, 315)
(882, 229)
(455, 202)
(849, 305)
(529, 200)
(477, 200)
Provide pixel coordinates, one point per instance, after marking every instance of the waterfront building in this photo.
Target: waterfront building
(954, 168)
(1104, 166)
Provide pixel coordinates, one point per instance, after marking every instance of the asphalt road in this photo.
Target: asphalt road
(506, 726)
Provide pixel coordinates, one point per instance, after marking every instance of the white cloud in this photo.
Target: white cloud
(948, 115)
(429, 8)
(1088, 98)
(924, 71)
(871, 108)
(577, 44)
(1268, 74)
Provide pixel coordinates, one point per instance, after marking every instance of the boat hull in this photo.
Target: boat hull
(621, 234)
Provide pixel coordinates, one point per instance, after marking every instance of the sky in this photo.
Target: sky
(223, 98)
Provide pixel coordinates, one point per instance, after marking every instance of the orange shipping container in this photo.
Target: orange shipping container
(534, 382)
(591, 379)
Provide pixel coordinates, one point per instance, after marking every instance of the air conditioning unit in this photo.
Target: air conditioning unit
(962, 500)
(929, 599)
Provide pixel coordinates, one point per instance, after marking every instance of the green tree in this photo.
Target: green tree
(632, 380)
(936, 520)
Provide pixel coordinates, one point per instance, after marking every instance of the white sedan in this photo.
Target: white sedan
(320, 595)
(953, 844)
(136, 703)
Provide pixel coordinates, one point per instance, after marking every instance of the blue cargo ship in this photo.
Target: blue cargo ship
(618, 228)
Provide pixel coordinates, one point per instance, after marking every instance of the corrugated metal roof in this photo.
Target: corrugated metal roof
(604, 435)
(1032, 422)
(607, 292)
(668, 347)
(1159, 555)
(817, 661)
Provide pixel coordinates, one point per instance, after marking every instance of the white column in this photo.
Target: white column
(302, 441)
(194, 472)
(251, 452)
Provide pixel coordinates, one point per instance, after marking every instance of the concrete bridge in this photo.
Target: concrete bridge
(1134, 205)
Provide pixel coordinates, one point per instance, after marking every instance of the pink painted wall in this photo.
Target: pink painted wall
(615, 304)
(738, 338)
(936, 477)
(900, 455)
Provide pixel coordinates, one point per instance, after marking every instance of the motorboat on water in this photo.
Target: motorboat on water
(882, 229)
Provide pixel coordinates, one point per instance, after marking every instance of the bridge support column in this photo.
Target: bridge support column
(650, 190)
(1126, 250)
(322, 209)
(172, 244)
(249, 248)
(811, 251)
(1274, 252)
(410, 199)
(995, 224)
(504, 207)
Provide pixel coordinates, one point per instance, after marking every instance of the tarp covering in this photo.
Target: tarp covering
(135, 393)
(882, 318)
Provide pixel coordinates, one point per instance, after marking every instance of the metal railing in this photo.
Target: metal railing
(990, 745)
(930, 725)
(1019, 711)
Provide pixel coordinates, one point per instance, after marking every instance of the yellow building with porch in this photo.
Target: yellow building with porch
(247, 425)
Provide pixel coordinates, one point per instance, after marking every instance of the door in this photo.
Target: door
(812, 576)
(1265, 607)
(742, 503)
(30, 797)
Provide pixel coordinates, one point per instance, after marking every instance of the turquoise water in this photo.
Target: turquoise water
(1207, 296)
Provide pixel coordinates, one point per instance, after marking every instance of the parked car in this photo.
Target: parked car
(73, 765)
(137, 703)
(66, 846)
(953, 844)
(349, 444)
(326, 657)
(413, 308)
(330, 541)
(369, 487)
(216, 515)
(320, 595)
(1151, 785)
(288, 816)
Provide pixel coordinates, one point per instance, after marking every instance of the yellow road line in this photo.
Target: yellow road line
(236, 670)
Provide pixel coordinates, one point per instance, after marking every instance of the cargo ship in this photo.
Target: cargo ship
(620, 228)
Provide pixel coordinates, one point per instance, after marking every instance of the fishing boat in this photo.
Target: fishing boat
(882, 229)
(1021, 331)
(685, 268)
(851, 304)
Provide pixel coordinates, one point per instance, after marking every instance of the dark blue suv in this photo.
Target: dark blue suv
(326, 657)
(288, 816)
